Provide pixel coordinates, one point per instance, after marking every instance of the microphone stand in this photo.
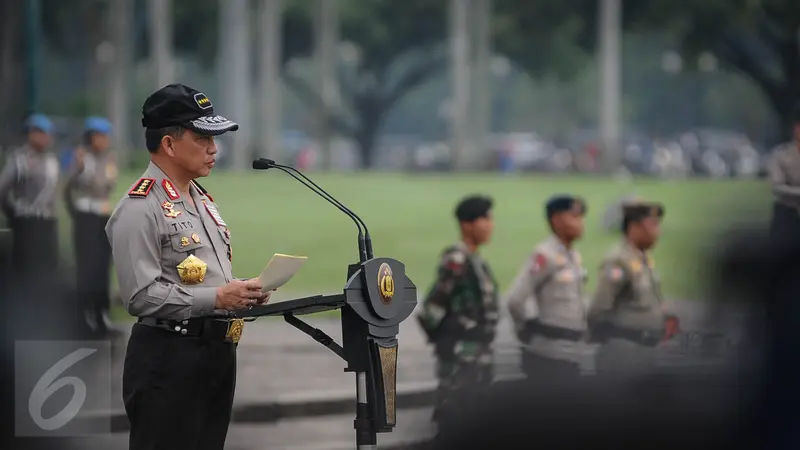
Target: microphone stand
(346, 210)
(366, 435)
(364, 242)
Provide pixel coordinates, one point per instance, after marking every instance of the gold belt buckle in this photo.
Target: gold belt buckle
(235, 329)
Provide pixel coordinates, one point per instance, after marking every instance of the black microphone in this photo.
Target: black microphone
(348, 211)
(364, 240)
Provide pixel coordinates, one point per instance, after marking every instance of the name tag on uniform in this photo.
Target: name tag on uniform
(215, 214)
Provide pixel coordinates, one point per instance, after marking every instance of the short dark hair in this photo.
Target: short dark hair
(473, 208)
(638, 211)
(152, 137)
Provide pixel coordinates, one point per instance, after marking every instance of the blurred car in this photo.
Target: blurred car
(721, 153)
(669, 160)
(640, 153)
(527, 151)
(431, 156)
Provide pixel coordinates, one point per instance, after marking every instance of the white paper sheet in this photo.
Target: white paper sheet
(280, 269)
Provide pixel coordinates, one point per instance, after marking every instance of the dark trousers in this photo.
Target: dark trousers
(785, 224)
(540, 369)
(34, 251)
(178, 390)
(93, 260)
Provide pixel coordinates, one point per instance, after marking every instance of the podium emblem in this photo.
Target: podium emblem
(385, 283)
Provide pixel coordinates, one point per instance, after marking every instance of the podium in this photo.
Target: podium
(377, 297)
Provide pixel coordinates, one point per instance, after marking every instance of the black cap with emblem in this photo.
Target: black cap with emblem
(177, 104)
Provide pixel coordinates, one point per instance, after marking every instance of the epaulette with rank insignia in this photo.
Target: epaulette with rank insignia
(142, 187)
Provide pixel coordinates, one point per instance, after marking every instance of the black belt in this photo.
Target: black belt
(212, 329)
(648, 338)
(552, 332)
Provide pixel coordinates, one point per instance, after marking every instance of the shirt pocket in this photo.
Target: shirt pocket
(181, 244)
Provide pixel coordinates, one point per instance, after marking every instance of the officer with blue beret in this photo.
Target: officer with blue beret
(90, 181)
(28, 184)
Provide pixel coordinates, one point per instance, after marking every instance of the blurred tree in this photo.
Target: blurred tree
(394, 51)
(546, 38)
(201, 41)
(759, 38)
(11, 81)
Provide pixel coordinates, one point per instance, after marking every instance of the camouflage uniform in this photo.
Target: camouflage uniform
(460, 317)
(626, 312)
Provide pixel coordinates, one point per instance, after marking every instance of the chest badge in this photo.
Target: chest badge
(169, 210)
(192, 270)
(195, 238)
(385, 283)
(184, 241)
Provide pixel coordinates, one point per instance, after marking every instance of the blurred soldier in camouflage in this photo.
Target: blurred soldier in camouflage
(626, 314)
(784, 174)
(551, 281)
(460, 313)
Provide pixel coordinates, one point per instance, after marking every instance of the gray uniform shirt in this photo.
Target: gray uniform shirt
(629, 291)
(549, 287)
(90, 181)
(152, 231)
(30, 178)
(784, 174)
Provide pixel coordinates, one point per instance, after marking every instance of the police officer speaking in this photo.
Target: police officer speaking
(89, 183)
(171, 249)
(28, 186)
(626, 314)
(554, 338)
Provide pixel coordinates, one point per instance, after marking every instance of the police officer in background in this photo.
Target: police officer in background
(90, 180)
(460, 313)
(626, 314)
(552, 282)
(171, 250)
(784, 174)
(28, 185)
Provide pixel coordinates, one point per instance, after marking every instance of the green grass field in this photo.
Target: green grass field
(411, 219)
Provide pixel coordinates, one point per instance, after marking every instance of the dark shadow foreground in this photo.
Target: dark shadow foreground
(752, 405)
